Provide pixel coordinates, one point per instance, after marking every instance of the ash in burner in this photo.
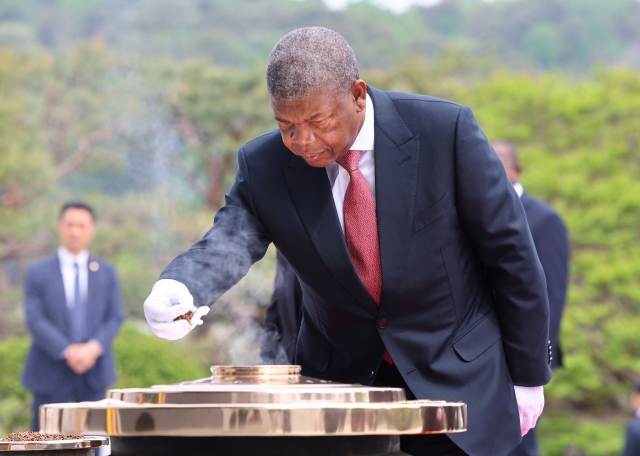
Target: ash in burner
(188, 316)
(29, 436)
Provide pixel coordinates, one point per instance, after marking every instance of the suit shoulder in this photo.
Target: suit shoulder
(425, 103)
(541, 209)
(411, 97)
(420, 110)
(264, 154)
(270, 140)
(45, 264)
(103, 265)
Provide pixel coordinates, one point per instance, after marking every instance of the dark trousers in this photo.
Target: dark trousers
(416, 445)
(528, 447)
(76, 390)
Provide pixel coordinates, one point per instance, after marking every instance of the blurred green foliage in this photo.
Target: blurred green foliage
(15, 401)
(145, 360)
(540, 34)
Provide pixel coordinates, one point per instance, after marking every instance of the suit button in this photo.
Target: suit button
(372, 374)
(382, 323)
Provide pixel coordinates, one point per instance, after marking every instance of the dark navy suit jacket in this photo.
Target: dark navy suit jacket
(48, 321)
(552, 244)
(285, 309)
(464, 297)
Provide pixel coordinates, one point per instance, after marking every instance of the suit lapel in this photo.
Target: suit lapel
(396, 162)
(311, 195)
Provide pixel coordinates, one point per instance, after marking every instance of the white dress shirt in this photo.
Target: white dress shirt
(67, 261)
(339, 177)
(519, 189)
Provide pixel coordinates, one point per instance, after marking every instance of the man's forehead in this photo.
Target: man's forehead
(74, 214)
(309, 107)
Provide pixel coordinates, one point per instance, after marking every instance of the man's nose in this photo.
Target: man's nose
(302, 136)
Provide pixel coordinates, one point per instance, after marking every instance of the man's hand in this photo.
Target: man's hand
(530, 404)
(170, 299)
(82, 357)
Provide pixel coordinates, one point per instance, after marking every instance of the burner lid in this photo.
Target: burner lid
(267, 372)
(255, 401)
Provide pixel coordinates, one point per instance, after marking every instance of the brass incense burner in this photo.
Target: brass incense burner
(255, 402)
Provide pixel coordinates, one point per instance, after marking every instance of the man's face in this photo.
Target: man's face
(508, 161)
(322, 126)
(76, 229)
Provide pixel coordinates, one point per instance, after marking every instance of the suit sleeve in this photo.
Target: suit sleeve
(44, 333)
(492, 214)
(552, 246)
(224, 255)
(111, 324)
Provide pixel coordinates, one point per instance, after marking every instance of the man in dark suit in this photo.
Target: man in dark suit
(73, 312)
(632, 444)
(412, 249)
(284, 313)
(552, 244)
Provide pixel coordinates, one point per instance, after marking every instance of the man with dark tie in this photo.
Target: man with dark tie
(73, 312)
(552, 244)
(411, 247)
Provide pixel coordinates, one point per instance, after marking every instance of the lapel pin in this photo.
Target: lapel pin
(94, 266)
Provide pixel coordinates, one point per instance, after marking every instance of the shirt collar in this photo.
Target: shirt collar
(69, 259)
(519, 189)
(365, 139)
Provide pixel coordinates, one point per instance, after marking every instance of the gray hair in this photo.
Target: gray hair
(308, 58)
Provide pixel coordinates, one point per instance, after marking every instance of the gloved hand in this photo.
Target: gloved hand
(530, 404)
(170, 299)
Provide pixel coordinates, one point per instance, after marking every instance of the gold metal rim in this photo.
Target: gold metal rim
(296, 419)
(255, 394)
(269, 370)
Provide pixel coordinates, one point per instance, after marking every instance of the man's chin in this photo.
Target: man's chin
(319, 164)
(319, 161)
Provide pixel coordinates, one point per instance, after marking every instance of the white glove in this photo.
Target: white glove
(170, 299)
(530, 404)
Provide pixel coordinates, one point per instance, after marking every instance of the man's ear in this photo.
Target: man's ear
(359, 94)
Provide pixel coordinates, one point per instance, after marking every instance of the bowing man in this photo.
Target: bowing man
(412, 249)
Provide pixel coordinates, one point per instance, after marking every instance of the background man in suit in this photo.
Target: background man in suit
(412, 249)
(552, 244)
(632, 444)
(73, 311)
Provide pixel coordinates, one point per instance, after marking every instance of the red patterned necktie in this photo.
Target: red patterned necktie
(361, 229)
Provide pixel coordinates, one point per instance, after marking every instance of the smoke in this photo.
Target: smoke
(271, 350)
(151, 192)
(252, 345)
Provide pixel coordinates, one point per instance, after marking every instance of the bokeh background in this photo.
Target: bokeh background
(139, 106)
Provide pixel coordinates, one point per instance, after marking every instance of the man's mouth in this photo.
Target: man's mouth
(312, 157)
